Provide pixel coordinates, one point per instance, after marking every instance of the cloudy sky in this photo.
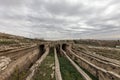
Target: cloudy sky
(61, 19)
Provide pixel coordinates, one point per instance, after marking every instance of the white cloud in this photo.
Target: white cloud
(60, 19)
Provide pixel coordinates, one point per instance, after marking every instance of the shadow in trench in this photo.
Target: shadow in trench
(42, 49)
(21, 74)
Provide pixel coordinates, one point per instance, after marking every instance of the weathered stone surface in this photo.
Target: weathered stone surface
(57, 67)
(4, 61)
(21, 63)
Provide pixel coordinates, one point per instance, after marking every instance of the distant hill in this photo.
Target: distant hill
(9, 36)
(105, 43)
(11, 39)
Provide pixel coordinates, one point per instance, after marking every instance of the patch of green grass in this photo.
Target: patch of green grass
(7, 42)
(87, 72)
(19, 75)
(46, 69)
(68, 71)
(93, 77)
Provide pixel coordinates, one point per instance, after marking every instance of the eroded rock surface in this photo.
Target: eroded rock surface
(4, 61)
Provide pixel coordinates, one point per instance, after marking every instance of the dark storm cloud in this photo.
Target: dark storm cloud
(60, 19)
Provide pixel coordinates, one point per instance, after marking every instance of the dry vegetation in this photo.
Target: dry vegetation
(101, 47)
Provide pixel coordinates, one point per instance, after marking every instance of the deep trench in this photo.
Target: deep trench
(58, 49)
(22, 74)
(68, 71)
(46, 68)
(64, 47)
(42, 49)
